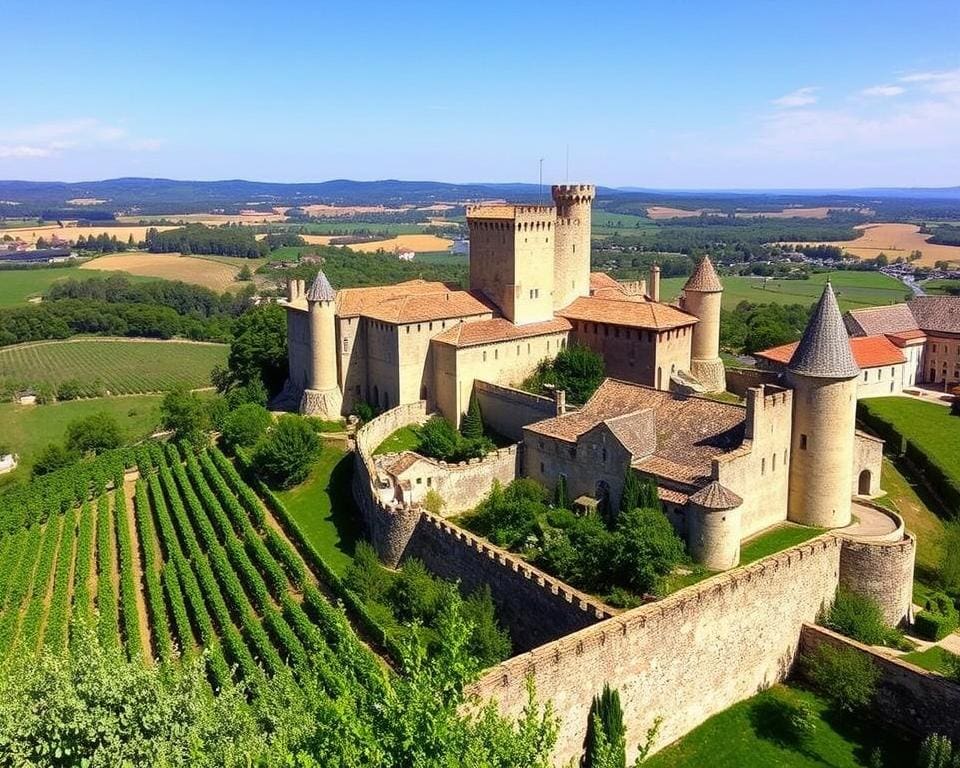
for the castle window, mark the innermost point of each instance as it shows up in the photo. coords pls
(865, 373)
(431, 326)
(408, 328)
(893, 372)
(518, 350)
(933, 347)
(574, 248)
(784, 457)
(541, 467)
(803, 442)
(429, 481)
(484, 355)
(496, 354)
(346, 344)
(763, 466)
(773, 466)
(528, 347)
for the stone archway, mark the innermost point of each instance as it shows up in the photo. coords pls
(863, 483)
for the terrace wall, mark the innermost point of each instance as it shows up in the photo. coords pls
(507, 411)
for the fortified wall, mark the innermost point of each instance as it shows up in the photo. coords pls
(507, 410)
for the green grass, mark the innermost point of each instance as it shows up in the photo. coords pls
(404, 439)
(939, 286)
(854, 289)
(776, 540)
(27, 429)
(442, 258)
(935, 659)
(752, 734)
(112, 366)
(929, 426)
(323, 507)
(604, 224)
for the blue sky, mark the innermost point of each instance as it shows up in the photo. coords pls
(653, 94)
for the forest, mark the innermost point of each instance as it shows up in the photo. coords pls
(227, 240)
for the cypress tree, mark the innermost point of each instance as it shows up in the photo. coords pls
(471, 427)
(609, 746)
(561, 497)
(649, 497)
(630, 496)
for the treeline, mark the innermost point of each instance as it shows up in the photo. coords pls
(102, 243)
(943, 234)
(227, 240)
(636, 265)
(113, 306)
(753, 327)
(346, 269)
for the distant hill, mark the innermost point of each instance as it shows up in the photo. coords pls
(167, 196)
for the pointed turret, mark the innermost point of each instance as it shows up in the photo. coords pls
(713, 532)
(824, 376)
(322, 397)
(321, 290)
(824, 351)
(702, 296)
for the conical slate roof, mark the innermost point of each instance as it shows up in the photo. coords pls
(824, 350)
(704, 278)
(716, 496)
(321, 290)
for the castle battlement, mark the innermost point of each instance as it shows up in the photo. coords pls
(586, 192)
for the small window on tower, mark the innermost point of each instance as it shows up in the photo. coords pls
(803, 442)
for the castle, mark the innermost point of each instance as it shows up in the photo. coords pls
(530, 294)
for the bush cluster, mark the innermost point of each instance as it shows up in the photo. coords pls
(938, 618)
(439, 439)
(861, 618)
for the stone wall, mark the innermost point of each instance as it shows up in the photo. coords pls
(882, 571)
(507, 411)
(684, 658)
(739, 380)
(908, 698)
(536, 607)
(867, 458)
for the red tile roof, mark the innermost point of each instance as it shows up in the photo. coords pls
(632, 314)
(477, 332)
(904, 337)
(868, 351)
(354, 301)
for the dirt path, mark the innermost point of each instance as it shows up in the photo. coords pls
(146, 640)
(273, 523)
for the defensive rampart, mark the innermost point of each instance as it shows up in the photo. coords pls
(908, 698)
(739, 380)
(507, 410)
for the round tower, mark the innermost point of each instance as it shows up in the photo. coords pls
(713, 533)
(571, 260)
(702, 295)
(322, 396)
(824, 375)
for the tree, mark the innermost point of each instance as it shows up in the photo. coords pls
(561, 497)
(283, 458)
(245, 275)
(937, 751)
(605, 745)
(259, 348)
(69, 390)
(438, 439)
(630, 496)
(949, 570)
(246, 425)
(52, 458)
(183, 412)
(647, 548)
(576, 369)
(471, 426)
(845, 675)
(95, 433)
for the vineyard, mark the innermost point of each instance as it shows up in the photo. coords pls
(108, 366)
(181, 559)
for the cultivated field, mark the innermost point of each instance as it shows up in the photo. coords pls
(897, 240)
(853, 289)
(19, 285)
(112, 366)
(210, 219)
(665, 212)
(72, 233)
(182, 560)
(170, 266)
(317, 239)
(412, 242)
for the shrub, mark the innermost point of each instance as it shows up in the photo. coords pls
(508, 516)
(363, 411)
(576, 369)
(647, 548)
(416, 593)
(246, 425)
(52, 458)
(69, 390)
(489, 642)
(844, 675)
(438, 439)
(283, 458)
(860, 618)
(366, 576)
(937, 751)
(938, 618)
(95, 434)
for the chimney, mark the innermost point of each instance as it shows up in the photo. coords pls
(291, 289)
(655, 282)
(560, 399)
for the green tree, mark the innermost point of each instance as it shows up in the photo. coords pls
(937, 751)
(69, 390)
(246, 425)
(845, 675)
(630, 496)
(259, 348)
(647, 548)
(95, 433)
(438, 439)
(606, 740)
(471, 425)
(52, 458)
(245, 274)
(283, 458)
(860, 618)
(561, 497)
(184, 412)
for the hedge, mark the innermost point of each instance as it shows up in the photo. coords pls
(159, 623)
(107, 625)
(82, 600)
(938, 618)
(28, 638)
(55, 633)
(19, 586)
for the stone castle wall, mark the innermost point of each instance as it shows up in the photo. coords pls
(684, 658)
(507, 411)
(739, 380)
(908, 698)
(882, 571)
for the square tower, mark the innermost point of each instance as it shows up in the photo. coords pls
(512, 258)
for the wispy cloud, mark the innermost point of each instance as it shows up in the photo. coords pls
(883, 90)
(947, 81)
(801, 97)
(54, 138)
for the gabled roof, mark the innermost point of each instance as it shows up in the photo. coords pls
(631, 314)
(321, 290)
(704, 278)
(354, 301)
(824, 351)
(716, 496)
(870, 321)
(868, 351)
(424, 307)
(635, 431)
(936, 314)
(497, 329)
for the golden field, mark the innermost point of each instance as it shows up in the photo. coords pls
(896, 240)
(799, 213)
(211, 219)
(665, 212)
(72, 233)
(418, 243)
(170, 266)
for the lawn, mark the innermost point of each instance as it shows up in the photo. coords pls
(753, 734)
(404, 439)
(323, 507)
(775, 540)
(940, 286)
(27, 429)
(853, 289)
(604, 224)
(111, 366)
(18, 285)
(929, 426)
(935, 658)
